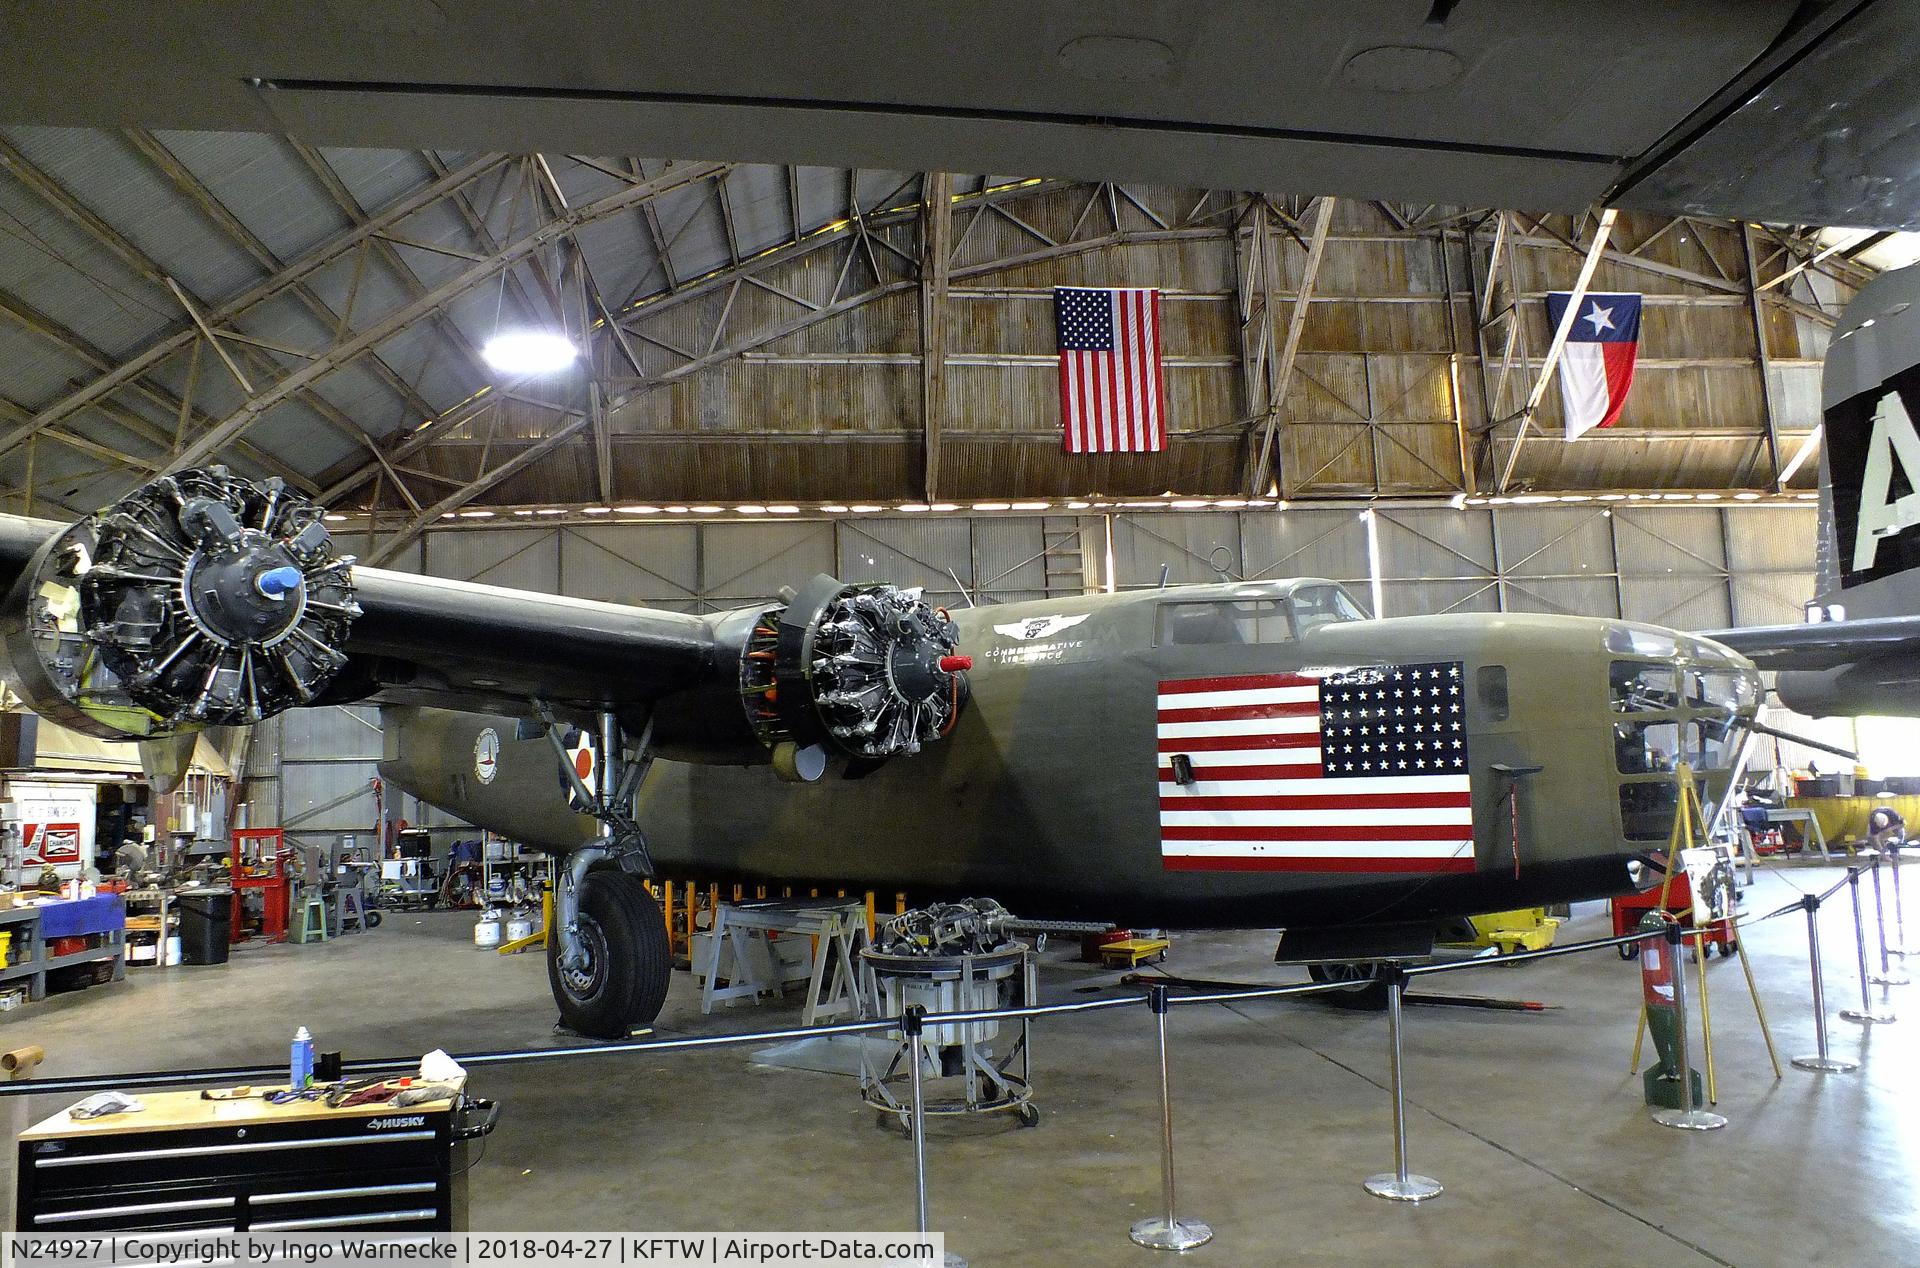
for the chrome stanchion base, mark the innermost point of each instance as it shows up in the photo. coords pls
(1864, 1017)
(1692, 1120)
(1825, 1065)
(1412, 1189)
(1157, 1234)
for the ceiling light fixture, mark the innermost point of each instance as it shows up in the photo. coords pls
(526, 352)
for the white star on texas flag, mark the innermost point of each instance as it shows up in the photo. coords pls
(1602, 318)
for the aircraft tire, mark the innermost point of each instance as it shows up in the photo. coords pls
(1369, 992)
(625, 981)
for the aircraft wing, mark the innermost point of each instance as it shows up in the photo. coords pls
(201, 599)
(1822, 645)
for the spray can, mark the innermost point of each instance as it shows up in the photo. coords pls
(300, 1072)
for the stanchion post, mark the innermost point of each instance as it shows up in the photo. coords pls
(1819, 1062)
(913, 1025)
(1689, 1116)
(1168, 1231)
(1399, 1185)
(1887, 976)
(1866, 1014)
(1899, 946)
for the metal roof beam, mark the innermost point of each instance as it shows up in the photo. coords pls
(232, 427)
(222, 217)
(224, 312)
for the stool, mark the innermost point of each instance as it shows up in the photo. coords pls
(312, 925)
(348, 907)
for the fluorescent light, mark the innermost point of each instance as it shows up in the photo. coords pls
(784, 510)
(751, 510)
(676, 510)
(550, 510)
(596, 510)
(708, 510)
(944, 506)
(914, 507)
(1189, 504)
(640, 510)
(834, 510)
(1078, 506)
(1230, 503)
(523, 352)
(867, 510)
(992, 506)
(335, 519)
(476, 515)
(1030, 506)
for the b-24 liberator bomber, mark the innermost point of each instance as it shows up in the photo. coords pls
(1260, 754)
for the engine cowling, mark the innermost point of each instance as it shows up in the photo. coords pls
(200, 599)
(865, 672)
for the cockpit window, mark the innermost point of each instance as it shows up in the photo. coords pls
(1718, 688)
(1638, 687)
(1323, 605)
(1217, 621)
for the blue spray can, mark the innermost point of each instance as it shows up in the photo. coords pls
(300, 1072)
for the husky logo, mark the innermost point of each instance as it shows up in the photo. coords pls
(388, 1124)
(1882, 515)
(1039, 626)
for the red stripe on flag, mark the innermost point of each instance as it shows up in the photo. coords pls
(1234, 743)
(1124, 371)
(1243, 712)
(1327, 801)
(1318, 832)
(1246, 682)
(1221, 774)
(1618, 359)
(1156, 420)
(1191, 863)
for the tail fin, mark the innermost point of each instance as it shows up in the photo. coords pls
(1870, 470)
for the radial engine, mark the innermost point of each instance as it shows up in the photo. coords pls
(200, 599)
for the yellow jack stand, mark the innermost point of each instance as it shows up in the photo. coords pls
(538, 938)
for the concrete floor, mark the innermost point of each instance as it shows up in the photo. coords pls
(1531, 1120)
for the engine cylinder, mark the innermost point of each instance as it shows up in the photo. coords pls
(200, 599)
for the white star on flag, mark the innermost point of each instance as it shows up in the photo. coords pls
(1602, 318)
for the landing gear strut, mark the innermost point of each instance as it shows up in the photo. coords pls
(607, 955)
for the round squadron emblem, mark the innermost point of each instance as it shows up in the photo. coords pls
(486, 755)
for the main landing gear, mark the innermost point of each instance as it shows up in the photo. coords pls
(608, 960)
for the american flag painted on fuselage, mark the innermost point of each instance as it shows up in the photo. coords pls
(1358, 771)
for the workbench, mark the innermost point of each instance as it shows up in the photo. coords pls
(33, 925)
(188, 1163)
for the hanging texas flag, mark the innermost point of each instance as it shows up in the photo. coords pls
(1596, 366)
(1360, 771)
(1110, 397)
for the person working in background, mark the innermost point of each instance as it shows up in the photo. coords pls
(1886, 829)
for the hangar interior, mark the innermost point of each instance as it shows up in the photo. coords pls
(776, 371)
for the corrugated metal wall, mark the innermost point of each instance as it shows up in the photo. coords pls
(1691, 567)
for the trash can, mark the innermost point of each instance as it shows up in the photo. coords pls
(206, 925)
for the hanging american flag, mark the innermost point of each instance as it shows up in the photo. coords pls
(1110, 397)
(1362, 771)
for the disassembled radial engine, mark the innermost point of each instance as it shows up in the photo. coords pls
(200, 599)
(865, 671)
(973, 926)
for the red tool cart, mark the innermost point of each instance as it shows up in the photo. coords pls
(1628, 910)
